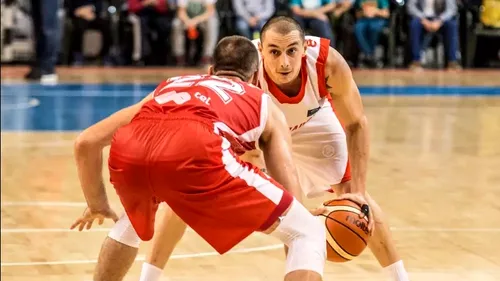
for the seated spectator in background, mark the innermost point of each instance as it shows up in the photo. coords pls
(372, 19)
(433, 16)
(251, 15)
(153, 15)
(86, 14)
(192, 14)
(312, 14)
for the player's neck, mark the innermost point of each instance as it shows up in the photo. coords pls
(293, 88)
(230, 75)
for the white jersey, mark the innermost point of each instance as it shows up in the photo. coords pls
(319, 143)
(313, 93)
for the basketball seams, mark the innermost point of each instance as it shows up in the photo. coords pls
(350, 256)
(333, 250)
(339, 211)
(348, 228)
(333, 209)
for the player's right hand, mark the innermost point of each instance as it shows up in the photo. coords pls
(87, 218)
(361, 200)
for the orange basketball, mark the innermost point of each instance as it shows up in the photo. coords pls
(346, 233)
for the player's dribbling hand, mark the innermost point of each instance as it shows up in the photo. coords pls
(89, 215)
(366, 210)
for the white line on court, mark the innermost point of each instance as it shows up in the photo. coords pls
(32, 102)
(142, 258)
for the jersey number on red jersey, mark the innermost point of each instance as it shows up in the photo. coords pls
(223, 88)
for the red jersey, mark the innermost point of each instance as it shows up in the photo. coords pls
(237, 109)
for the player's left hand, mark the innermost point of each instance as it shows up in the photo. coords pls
(89, 215)
(366, 210)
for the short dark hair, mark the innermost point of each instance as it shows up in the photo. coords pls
(283, 25)
(236, 55)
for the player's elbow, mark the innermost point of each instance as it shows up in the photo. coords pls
(83, 143)
(358, 125)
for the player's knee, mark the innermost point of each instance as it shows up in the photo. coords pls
(124, 232)
(378, 214)
(305, 237)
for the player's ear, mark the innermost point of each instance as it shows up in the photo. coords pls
(211, 70)
(259, 47)
(255, 78)
(305, 48)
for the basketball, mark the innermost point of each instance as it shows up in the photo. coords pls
(346, 233)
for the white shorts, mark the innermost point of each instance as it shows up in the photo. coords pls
(320, 152)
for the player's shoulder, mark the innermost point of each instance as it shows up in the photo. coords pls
(335, 62)
(317, 51)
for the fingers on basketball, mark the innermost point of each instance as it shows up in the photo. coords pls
(347, 232)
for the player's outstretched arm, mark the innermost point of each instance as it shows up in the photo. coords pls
(275, 143)
(88, 154)
(349, 109)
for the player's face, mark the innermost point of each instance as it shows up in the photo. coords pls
(282, 55)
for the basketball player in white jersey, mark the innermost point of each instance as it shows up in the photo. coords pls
(313, 85)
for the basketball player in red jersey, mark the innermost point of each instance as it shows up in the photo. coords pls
(179, 145)
(313, 86)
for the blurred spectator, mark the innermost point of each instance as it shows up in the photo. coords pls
(86, 14)
(46, 30)
(312, 14)
(191, 15)
(372, 19)
(433, 16)
(342, 28)
(153, 15)
(251, 15)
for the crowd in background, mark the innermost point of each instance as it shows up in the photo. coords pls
(369, 33)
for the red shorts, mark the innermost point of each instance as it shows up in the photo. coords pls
(183, 162)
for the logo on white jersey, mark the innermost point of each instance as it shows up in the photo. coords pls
(328, 151)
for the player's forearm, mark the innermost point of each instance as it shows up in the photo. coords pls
(88, 158)
(358, 146)
(88, 155)
(280, 165)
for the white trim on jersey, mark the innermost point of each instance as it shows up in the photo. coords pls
(254, 134)
(312, 54)
(236, 170)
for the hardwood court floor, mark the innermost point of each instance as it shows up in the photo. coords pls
(434, 169)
